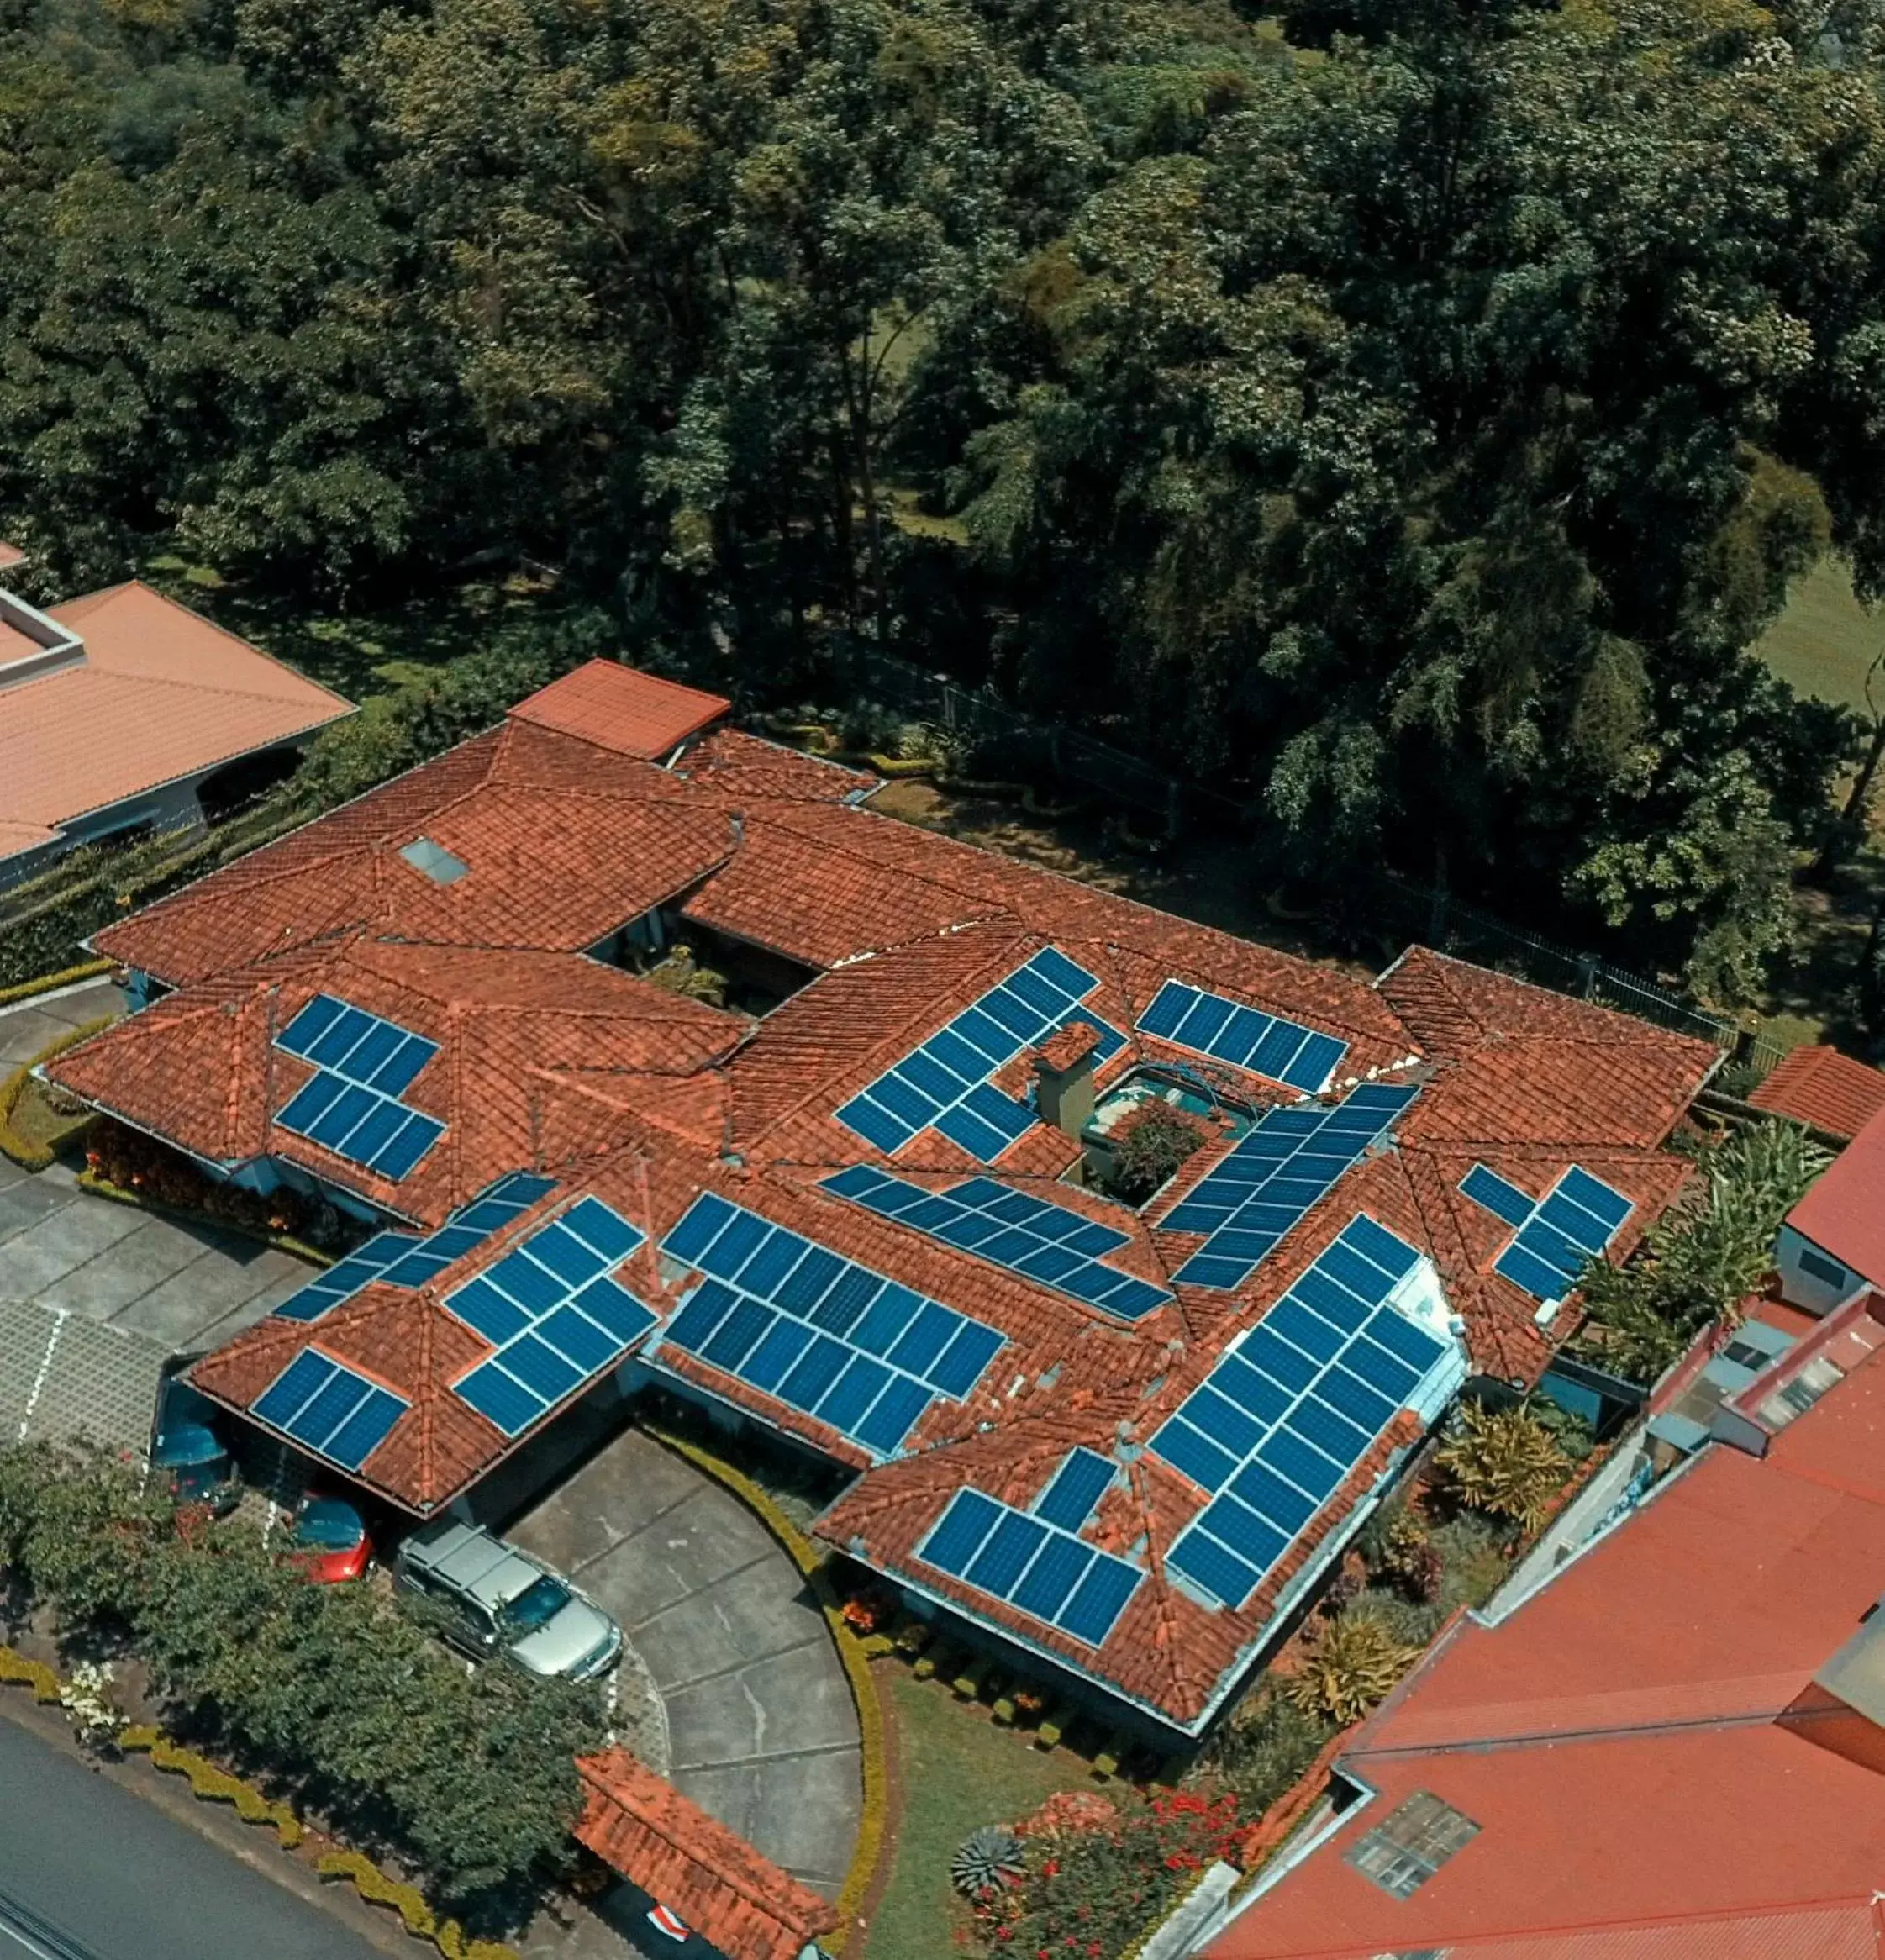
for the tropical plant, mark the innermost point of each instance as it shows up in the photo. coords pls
(986, 1860)
(1268, 1742)
(1504, 1461)
(1709, 1254)
(1148, 1147)
(1349, 1665)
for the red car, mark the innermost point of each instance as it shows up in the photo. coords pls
(331, 1542)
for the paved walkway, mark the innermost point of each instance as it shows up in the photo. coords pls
(93, 1295)
(764, 1732)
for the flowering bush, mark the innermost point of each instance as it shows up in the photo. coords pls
(865, 1612)
(1091, 1886)
(136, 1162)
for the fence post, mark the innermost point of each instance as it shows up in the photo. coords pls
(1587, 968)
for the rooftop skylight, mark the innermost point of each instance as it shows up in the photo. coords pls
(438, 864)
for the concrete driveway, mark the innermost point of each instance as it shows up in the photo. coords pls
(95, 1295)
(763, 1730)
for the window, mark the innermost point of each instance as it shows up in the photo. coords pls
(435, 860)
(1402, 1853)
(1827, 1271)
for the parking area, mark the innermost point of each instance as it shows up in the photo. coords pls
(763, 1732)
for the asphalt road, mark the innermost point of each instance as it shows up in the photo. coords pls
(90, 1872)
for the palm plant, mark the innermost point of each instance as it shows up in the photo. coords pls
(1504, 1461)
(1351, 1664)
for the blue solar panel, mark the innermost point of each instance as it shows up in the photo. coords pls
(329, 1410)
(1036, 1238)
(1278, 1423)
(549, 1307)
(944, 1083)
(1033, 1565)
(351, 1106)
(1503, 1200)
(869, 1355)
(1207, 1024)
(1272, 1178)
(1069, 1499)
(345, 1277)
(1557, 1235)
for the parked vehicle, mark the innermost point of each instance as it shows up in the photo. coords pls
(331, 1541)
(188, 1453)
(498, 1600)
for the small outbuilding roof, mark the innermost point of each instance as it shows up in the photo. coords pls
(1819, 1086)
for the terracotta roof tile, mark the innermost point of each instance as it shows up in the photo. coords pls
(726, 1891)
(1820, 1086)
(747, 771)
(621, 709)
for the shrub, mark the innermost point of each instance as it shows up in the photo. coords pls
(1476, 1555)
(1350, 1665)
(1269, 1741)
(135, 1162)
(338, 1689)
(1711, 1250)
(1148, 1148)
(1504, 1461)
(987, 1860)
(1085, 1892)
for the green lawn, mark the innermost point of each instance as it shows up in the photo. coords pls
(1824, 641)
(957, 1771)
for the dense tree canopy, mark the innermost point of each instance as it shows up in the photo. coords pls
(1404, 412)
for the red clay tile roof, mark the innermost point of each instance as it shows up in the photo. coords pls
(520, 1035)
(621, 709)
(161, 695)
(724, 1890)
(1844, 1214)
(550, 1059)
(746, 770)
(563, 844)
(1820, 1086)
(1616, 1739)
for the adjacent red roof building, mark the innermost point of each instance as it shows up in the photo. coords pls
(114, 709)
(1844, 1214)
(1820, 1086)
(708, 1876)
(1672, 1750)
(844, 1205)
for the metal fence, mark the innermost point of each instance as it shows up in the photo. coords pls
(1004, 739)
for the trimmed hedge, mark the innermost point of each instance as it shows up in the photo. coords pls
(47, 983)
(28, 1154)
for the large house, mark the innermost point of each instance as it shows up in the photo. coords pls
(122, 714)
(865, 1207)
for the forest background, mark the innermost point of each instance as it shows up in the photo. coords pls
(1404, 416)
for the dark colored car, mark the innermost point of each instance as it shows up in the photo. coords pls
(331, 1541)
(196, 1467)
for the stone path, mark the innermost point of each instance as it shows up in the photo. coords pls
(763, 1730)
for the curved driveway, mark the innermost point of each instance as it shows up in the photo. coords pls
(763, 1728)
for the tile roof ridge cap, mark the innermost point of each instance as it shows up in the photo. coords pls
(195, 686)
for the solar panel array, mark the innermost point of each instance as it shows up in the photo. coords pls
(1271, 1178)
(1044, 1572)
(350, 1105)
(555, 1316)
(1557, 1233)
(1266, 1043)
(944, 1082)
(1289, 1413)
(410, 1258)
(818, 1332)
(328, 1409)
(1032, 1236)
(1074, 1489)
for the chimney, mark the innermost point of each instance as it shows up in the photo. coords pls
(1064, 1077)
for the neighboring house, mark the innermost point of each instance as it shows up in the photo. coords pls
(857, 1209)
(1675, 1748)
(1827, 1091)
(1833, 1244)
(122, 714)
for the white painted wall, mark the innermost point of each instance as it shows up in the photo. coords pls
(1814, 1292)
